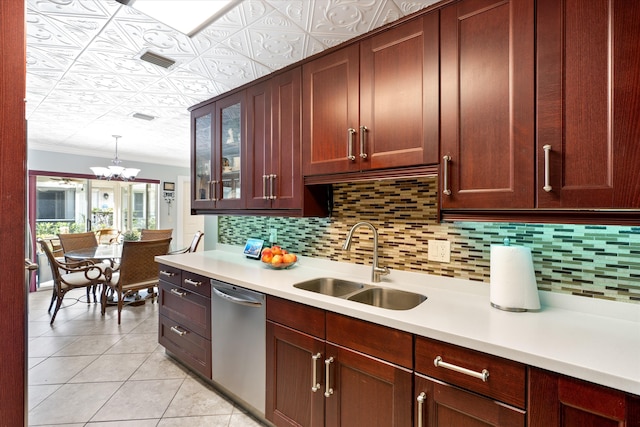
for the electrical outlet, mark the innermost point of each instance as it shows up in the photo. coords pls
(273, 235)
(439, 250)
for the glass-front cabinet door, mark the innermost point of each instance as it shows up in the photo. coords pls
(202, 196)
(230, 148)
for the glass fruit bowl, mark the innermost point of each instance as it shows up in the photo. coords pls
(279, 266)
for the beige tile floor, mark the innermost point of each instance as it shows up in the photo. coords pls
(85, 370)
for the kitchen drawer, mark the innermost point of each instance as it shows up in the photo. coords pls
(378, 341)
(169, 274)
(186, 308)
(190, 348)
(196, 283)
(304, 318)
(506, 381)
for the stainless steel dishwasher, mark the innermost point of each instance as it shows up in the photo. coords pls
(238, 339)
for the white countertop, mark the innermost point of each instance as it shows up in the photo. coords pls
(594, 340)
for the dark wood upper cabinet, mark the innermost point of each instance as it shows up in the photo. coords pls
(330, 109)
(274, 135)
(588, 90)
(399, 95)
(374, 105)
(218, 149)
(487, 104)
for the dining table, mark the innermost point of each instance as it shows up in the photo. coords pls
(101, 252)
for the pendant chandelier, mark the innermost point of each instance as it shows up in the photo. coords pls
(115, 171)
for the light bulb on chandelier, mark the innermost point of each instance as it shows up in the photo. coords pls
(115, 171)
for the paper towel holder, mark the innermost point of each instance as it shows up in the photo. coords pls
(510, 291)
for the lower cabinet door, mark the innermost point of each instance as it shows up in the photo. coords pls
(441, 404)
(365, 391)
(559, 401)
(291, 369)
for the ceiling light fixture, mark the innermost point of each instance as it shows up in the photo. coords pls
(116, 171)
(187, 16)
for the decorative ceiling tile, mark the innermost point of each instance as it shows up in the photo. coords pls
(273, 40)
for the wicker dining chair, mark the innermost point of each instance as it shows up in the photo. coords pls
(70, 275)
(138, 271)
(192, 247)
(148, 234)
(75, 241)
(108, 236)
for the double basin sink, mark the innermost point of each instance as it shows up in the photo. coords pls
(393, 299)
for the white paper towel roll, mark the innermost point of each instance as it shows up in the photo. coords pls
(513, 284)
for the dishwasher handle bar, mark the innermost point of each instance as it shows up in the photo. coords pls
(236, 300)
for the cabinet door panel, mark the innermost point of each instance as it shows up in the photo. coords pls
(201, 157)
(588, 112)
(447, 405)
(230, 151)
(399, 95)
(360, 385)
(290, 400)
(259, 137)
(487, 103)
(559, 401)
(286, 150)
(330, 108)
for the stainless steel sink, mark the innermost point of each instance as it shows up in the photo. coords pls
(330, 286)
(393, 299)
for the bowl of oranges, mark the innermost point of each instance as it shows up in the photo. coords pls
(277, 258)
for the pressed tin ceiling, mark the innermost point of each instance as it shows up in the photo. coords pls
(85, 79)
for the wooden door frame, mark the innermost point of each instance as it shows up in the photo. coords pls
(13, 153)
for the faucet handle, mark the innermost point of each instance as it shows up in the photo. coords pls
(383, 271)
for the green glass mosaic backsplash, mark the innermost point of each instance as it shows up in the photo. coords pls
(591, 261)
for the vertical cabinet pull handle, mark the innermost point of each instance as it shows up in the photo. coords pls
(328, 391)
(421, 399)
(547, 186)
(445, 175)
(272, 191)
(214, 190)
(350, 133)
(264, 187)
(314, 368)
(363, 136)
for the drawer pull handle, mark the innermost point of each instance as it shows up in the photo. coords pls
(178, 331)
(167, 273)
(328, 391)
(445, 175)
(484, 375)
(314, 365)
(547, 185)
(192, 282)
(421, 398)
(177, 292)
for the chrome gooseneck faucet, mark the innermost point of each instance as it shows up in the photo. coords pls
(377, 271)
